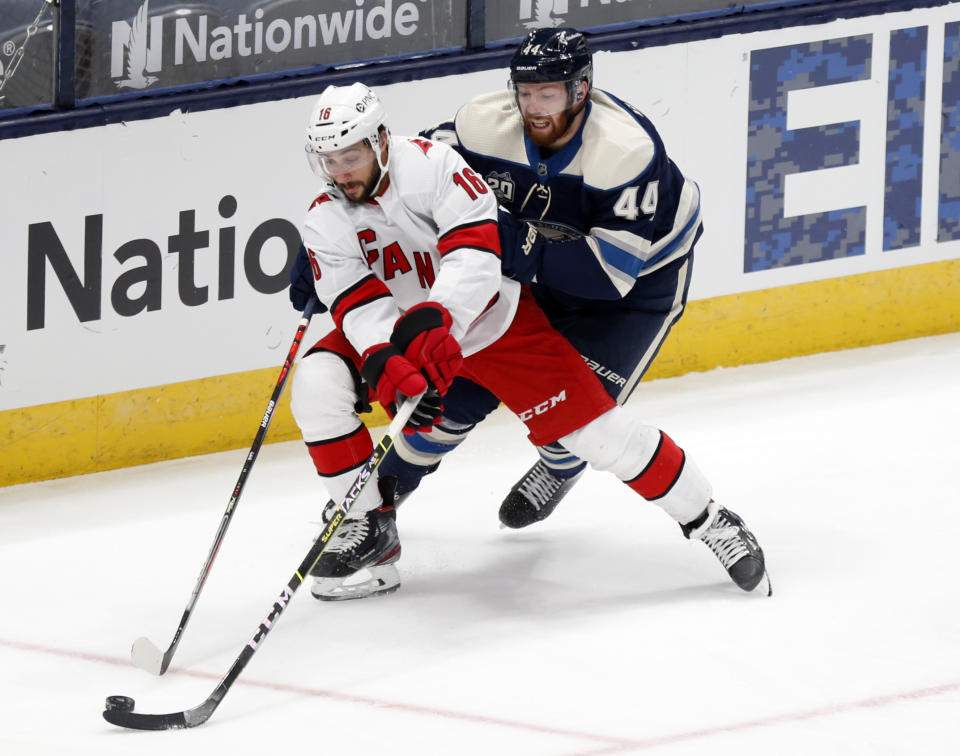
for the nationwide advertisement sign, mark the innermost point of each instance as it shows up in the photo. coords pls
(125, 47)
(149, 45)
(508, 19)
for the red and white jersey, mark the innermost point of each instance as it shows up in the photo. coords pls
(430, 234)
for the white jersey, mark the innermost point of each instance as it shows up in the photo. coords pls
(431, 233)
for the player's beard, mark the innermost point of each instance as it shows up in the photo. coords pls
(560, 123)
(544, 137)
(368, 187)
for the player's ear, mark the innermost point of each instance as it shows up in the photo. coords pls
(384, 142)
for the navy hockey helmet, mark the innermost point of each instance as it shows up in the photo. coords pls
(553, 55)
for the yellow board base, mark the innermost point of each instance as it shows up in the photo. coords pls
(215, 414)
(820, 316)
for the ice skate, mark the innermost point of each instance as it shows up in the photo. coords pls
(360, 559)
(733, 544)
(535, 496)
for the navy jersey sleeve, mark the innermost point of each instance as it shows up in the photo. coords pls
(445, 132)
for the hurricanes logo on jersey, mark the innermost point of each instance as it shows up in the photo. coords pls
(423, 144)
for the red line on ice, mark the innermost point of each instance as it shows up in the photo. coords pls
(611, 744)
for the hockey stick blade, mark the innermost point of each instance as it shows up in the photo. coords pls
(133, 721)
(200, 714)
(177, 721)
(144, 653)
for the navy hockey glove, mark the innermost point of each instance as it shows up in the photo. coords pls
(301, 283)
(422, 334)
(393, 378)
(426, 415)
(521, 248)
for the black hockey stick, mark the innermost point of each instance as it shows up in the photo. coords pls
(145, 653)
(119, 710)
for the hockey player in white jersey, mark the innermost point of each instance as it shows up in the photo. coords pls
(404, 251)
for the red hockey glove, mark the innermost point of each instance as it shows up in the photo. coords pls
(394, 378)
(423, 335)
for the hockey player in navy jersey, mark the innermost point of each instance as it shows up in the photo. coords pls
(599, 222)
(402, 246)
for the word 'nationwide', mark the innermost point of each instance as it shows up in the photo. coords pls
(138, 288)
(197, 38)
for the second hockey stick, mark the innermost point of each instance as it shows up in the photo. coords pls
(119, 710)
(145, 653)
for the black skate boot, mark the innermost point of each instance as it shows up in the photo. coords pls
(735, 546)
(535, 496)
(366, 545)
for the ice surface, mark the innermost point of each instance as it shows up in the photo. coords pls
(600, 631)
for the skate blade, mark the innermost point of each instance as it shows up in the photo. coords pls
(763, 586)
(765, 581)
(372, 581)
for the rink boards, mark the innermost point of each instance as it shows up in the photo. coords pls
(144, 303)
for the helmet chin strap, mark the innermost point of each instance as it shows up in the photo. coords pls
(381, 164)
(376, 187)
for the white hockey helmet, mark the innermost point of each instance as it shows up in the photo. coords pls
(344, 116)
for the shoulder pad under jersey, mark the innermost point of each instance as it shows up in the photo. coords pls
(617, 148)
(491, 125)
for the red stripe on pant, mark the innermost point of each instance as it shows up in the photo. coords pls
(661, 471)
(337, 455)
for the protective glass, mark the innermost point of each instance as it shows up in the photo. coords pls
(541, 98)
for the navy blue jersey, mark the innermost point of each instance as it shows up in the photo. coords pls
(611, 204)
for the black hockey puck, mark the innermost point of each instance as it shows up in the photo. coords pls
(119, 703)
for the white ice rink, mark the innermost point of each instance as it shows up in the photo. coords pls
(600, 631)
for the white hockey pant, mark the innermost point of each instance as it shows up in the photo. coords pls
(323, 401)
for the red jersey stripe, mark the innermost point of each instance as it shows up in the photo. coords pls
(482, 235)
(366, 290)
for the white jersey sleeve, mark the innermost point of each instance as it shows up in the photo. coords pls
(465, 211)
(361, 304)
